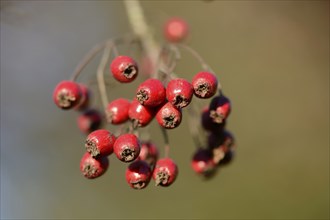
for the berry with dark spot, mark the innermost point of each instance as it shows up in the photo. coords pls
(151, 93)
(138, 174)
(165, 172)
(205, 84)
(139, 114)
(179, 92)
(67, 94)
(202, 162)
(92, 168)
(127, 147)
(220, 108)
(168, 116)
(100, 143)
(124, 69)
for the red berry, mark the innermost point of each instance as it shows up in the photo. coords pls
(91, 167)
(89, 120)
(148, 153)
(100, 143)
(176, 30)
(85, 96)
(208, 123)
(151, 93)
(205, 84)
(124, 69)
(179, 92)
(220, 108)
(139, 114)
(117, 111)
(67, 94)
(127, 147)
(168, 116)
(202, 162)
(165, 172)
(138, 174)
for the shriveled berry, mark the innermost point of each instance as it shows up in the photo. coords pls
(91, 167)
(100, 143)
(89, 121)
(138, 174)
(67, 94)
(139, 114)
(205, 84)
(179, 92)
(165, 172)
(222, 145)
(220, 108)
(124, 69)
(127, 147)
(148, 153)
(176, 30)
(85, 96)
(208, 123)
(151, 93)
(202, 162)
(117, 111)
(168, 116)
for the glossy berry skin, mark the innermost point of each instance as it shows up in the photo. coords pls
(165, 172)
(220, 108)
(151, 93)
(100, 143)
(138, 174)
(205, 84)
(127, 147)
(179, 92)
(202, 162)
(67, 94)
(92, 168)
(124, 69)
(117, 111)
(168, 116)
(176, 30)
(89, 121)
(208, 123)
(148, 153)
(85, 96)
(139, 114)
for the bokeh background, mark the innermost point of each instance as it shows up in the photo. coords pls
(272, 58)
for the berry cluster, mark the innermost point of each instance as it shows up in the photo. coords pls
(163, 97)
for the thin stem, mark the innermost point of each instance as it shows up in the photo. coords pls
(87, 58)
(141, 29)
(194, 125)
(100, 73)
(195, 54)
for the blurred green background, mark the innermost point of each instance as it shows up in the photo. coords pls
(272, 58)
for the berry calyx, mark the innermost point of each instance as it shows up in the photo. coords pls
(151, 93)
(117, 111)
(124, 69)
(176, 30)
(127, 147)
(89, 121)
(208, 123)
(168, 116)
(139, 114)
(67, 94)
(205, 84)
(179, 92)
(138, 174)
(100, 143)
(92, 168)
(165, 172)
